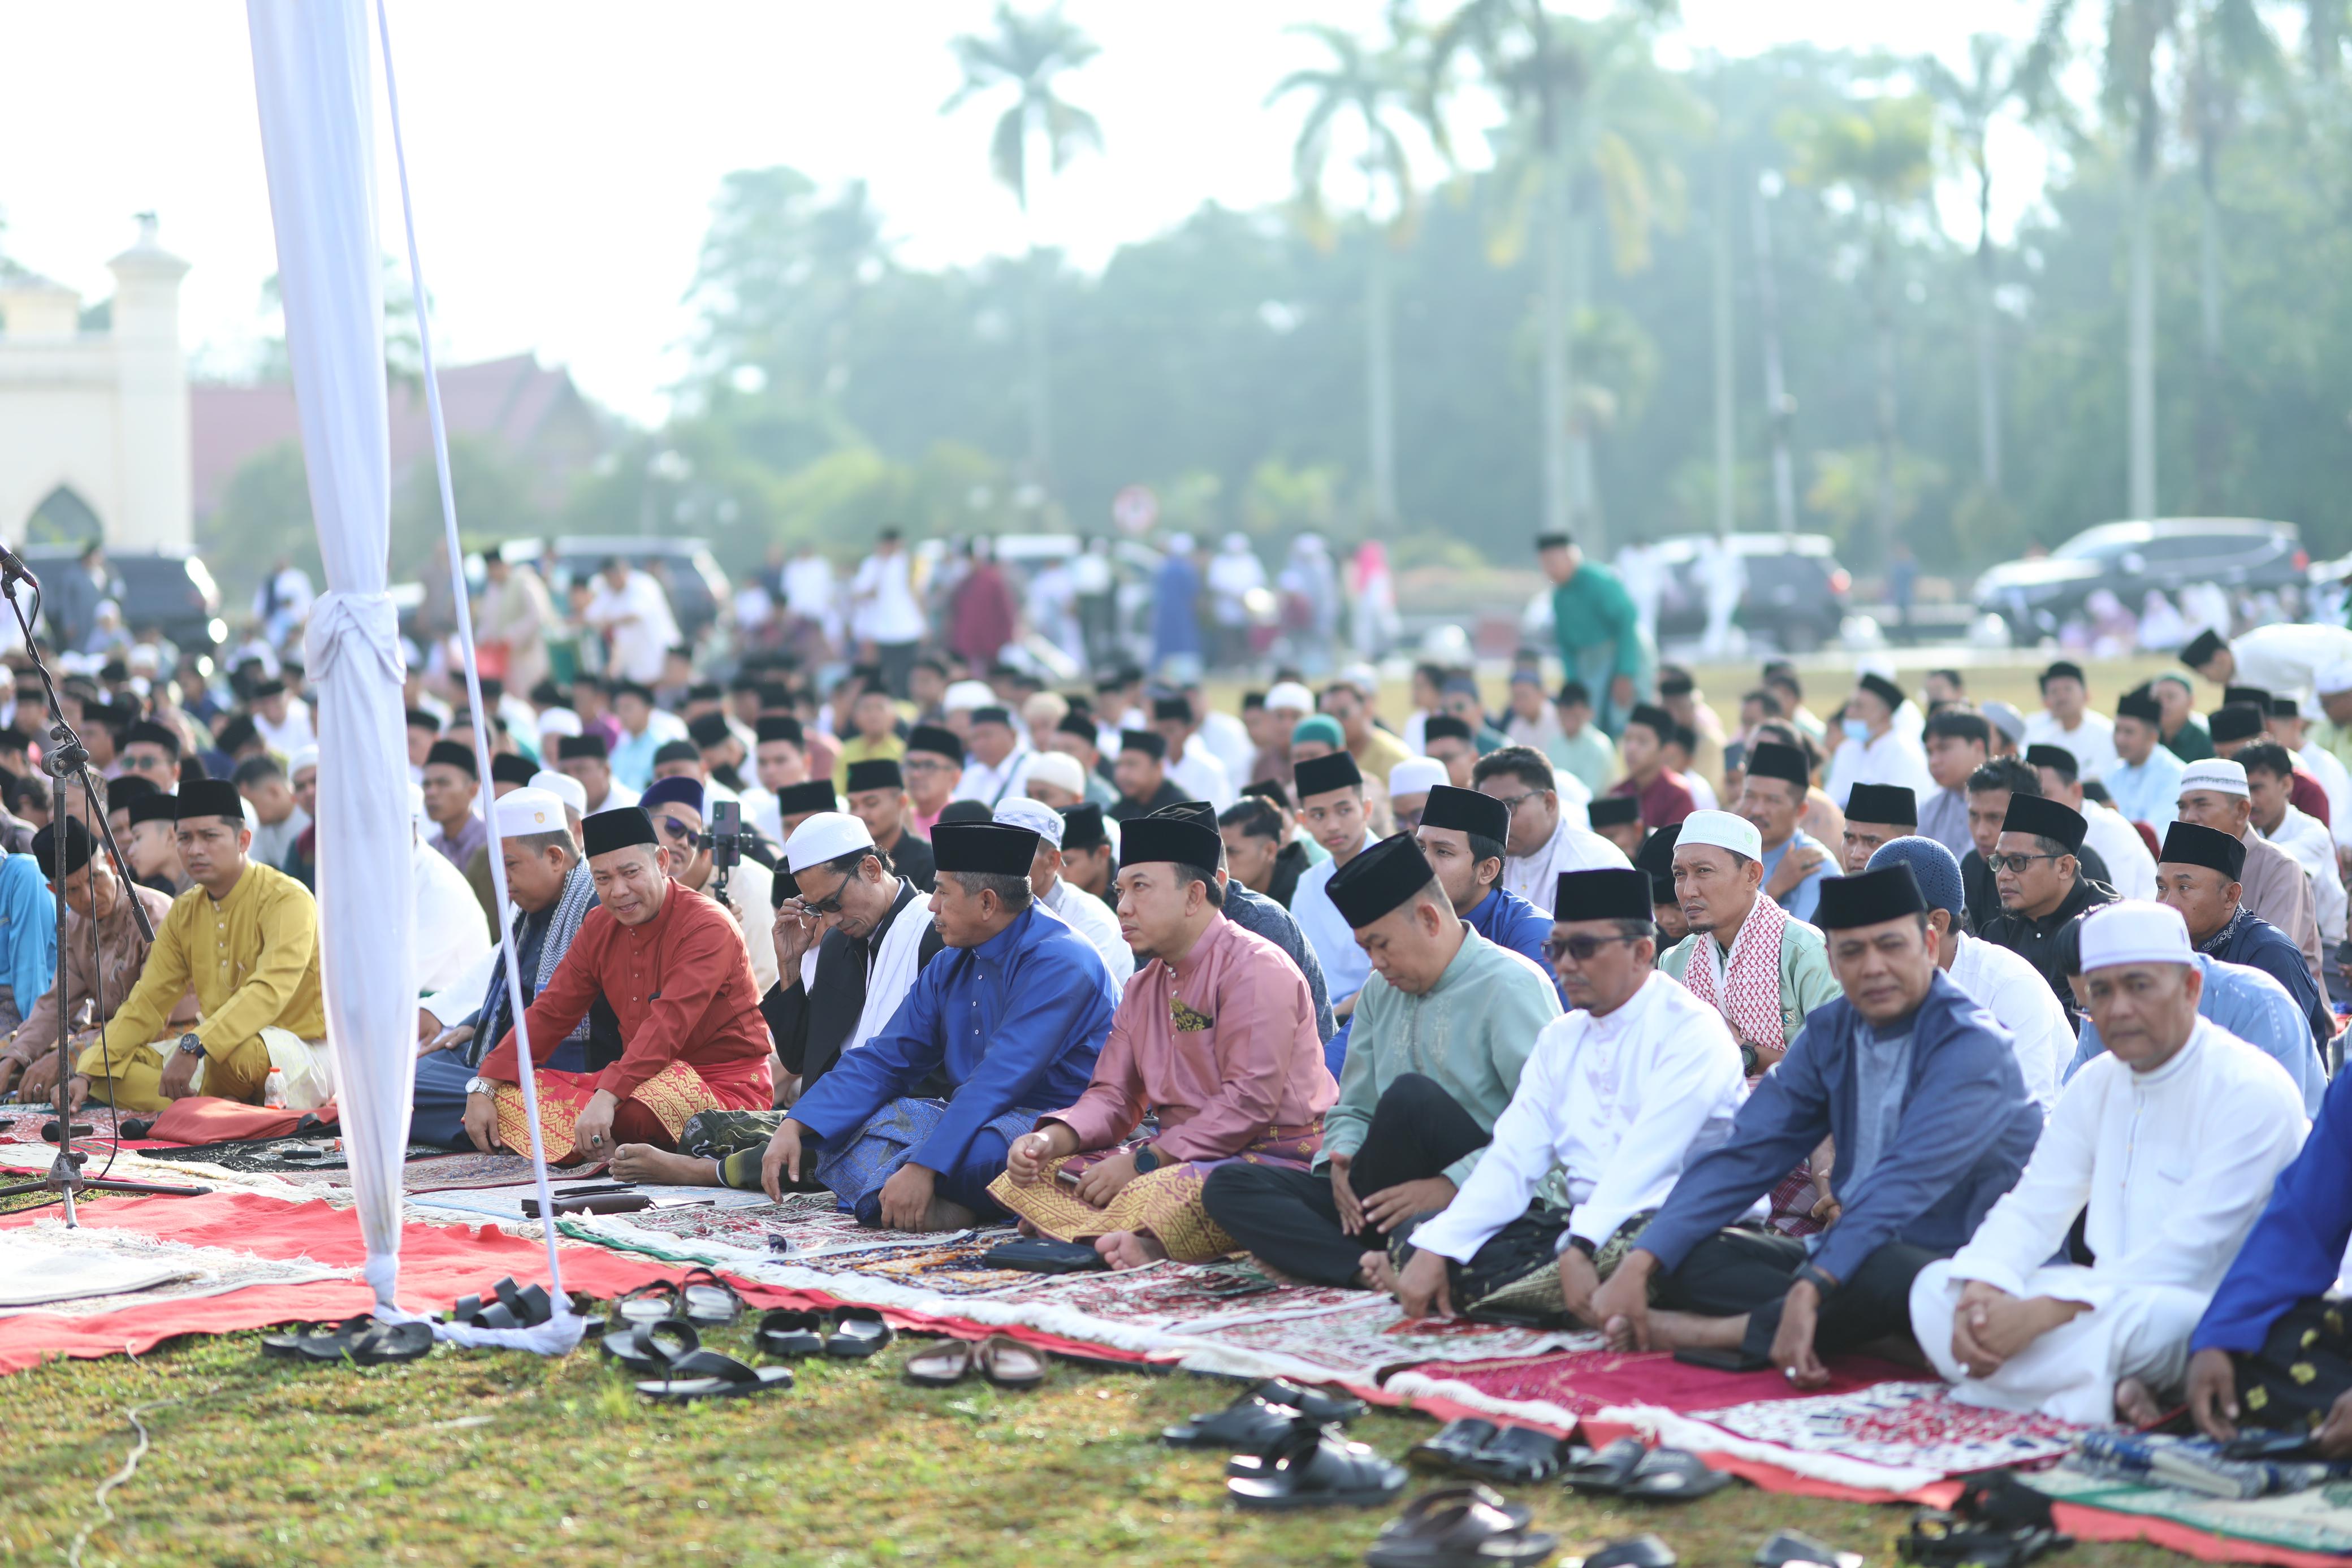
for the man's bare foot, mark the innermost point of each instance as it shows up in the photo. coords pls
(1025, 1229)
(1680, 1330)
(643, 1162)
(945, 1215)
(1378, 1275)
(2134, 1404)
(1128, 1249)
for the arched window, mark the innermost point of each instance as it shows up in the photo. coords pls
(63, 518)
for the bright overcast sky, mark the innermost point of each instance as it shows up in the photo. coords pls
(564, 155)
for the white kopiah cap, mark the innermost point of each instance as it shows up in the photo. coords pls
(2135, 931)
(965, 695)
(1724, 830)
(1414, 775)
(2218, 773)
(1040, 819)
(557, 721)
(563, 787)
(2335, 678)
(308, 757)
(1060, 768)
(822, 836)
(1291, 696)
(522, 812)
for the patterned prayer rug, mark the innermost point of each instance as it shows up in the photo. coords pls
(22, 1124)
(2317, 1520)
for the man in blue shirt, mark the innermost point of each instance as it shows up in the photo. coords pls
(1772, 796)
(2198, 874)
(1461, 835)
(1920, 1089)
(1008, 1020)
(2147, 788)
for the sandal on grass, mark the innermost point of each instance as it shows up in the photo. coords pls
(1606, 1470)
(293, 1347)
(948, 1362)
(787, 1332)
(1431, 1502)
(1009, 1364)
(1674, 1475)
(709, 1301)
(1794, 1546)
(376, 1344)
(1462, 1531)
(707, 1374)
(1252, 1423)
(1316, 1468)
(1455, 1442)
(646, 1304)
(1515, 1456)
(644, 1348)
(856, 1332)
(1633, 1552)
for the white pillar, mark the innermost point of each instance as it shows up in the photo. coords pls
(153, 451)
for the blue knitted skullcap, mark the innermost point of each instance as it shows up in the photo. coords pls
(1936, 867)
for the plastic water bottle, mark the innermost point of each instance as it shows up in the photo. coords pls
(273, 1090)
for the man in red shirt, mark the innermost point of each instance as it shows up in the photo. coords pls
(675, 969)
(1664, 801)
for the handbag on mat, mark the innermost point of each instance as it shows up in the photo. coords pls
(1042, 1255)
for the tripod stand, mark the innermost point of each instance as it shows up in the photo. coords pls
(65, 759)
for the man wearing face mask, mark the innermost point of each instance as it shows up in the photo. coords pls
(1874, 750)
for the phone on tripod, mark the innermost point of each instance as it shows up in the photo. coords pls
(724, 838)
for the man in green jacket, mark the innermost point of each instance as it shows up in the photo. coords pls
(1599, 630)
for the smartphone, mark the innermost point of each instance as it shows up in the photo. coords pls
(1724, 1360)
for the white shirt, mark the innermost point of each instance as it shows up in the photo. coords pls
(2021, 1002)
(988, 785)
(1228, 737)
(2286, 659)
(452, 932)
(2305, 837)
(1200, 775)
(882, 597)
(2120, 845)
(1345, 967)
(1892, 759)
(2175, 1166)
(809, 589)
(1091, 918)
(291, 735)
(2337, 782)
(1619, 1106)
(616, 797)
(2093, 741)
(1536, 877)
(635, 618)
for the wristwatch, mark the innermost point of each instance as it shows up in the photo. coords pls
(191, 1046)
(1147, 1160)
(477, 1084)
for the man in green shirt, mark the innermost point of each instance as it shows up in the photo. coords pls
(1598, 630)
(2183, 736)
(1442, 1030)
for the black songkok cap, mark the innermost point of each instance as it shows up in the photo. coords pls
(209, 797)
(1607, 892)
(1872, 898)
(1656, 857)
(1079, 722)
(1885, 690)
(571, 748)
(778, 726)
(1467, 811)
(158, 807)
(1268, 789)
(80, 847)
(1891, 803)
(710, 729)
(1654, 718)
(507, 768)
(1150, 742)
(985, 849)
(2045, 818)
(2140, 703)
(876, 773)
(1607, 811)
(617, 829)
(1443, 727)
(2059, 759)
(2186, 843)
(966, 811)
(121, 792)
(1171, 710)
(2236, 721)
(992, 714)
(2254, 695)
(937, 739)
(1771, 759)
(2284, 707)
(2201, 649)
(1321, 775)
(1199, 811)
(678, 751)
(1082, 827)
(1553, 541)
(1379, 881)
(424, 718)
(800, 800)
(1167, 836)
(449, 754)
(270, 687)
(2064, 668)
(146, 732)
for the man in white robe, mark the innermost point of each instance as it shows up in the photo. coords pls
(2276, 658)
(1543, 843)
(2172, 1139)
(452, 933)
(1878, 748)
(1081, 911)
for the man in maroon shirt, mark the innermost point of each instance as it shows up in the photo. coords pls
(1664, 800)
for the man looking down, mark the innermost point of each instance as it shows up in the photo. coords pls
(1876, 814)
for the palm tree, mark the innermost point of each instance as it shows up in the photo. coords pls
(1377, 88)
(1878, 154)
(1589, 109)
(1028, 53)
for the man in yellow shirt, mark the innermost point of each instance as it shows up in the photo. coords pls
(1348, 699)
(874, 737)
(245, 940)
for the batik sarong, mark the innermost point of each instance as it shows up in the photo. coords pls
(655, 1113)
(1164, 1204)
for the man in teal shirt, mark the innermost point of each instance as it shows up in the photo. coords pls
(1598, 630)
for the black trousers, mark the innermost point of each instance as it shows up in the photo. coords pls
(1289, 1218)
(1745, 1270)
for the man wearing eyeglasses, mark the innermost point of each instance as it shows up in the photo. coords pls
(677, 806)
(1544, 840)
(2042, 887)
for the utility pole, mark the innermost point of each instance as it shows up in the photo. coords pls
(1779, 408)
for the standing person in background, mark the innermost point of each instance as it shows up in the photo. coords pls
(1178, 652)
(517, 613)
(633, 612)
(1235, 573)
(1095, 583)
(1599, 632)
(982, 617)
(70, 598)
(1371, 600)
(1308, 587)
(885, 619)
(812, 601)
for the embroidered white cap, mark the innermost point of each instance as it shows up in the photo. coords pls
(1059, 769)
(2135, 931)
(1724, 830)
(822, 836)
(557, 721)
(1414, 775)
(2218, 773)
(965, 695)
(563, 787)
(1289, 696)
(1040, 819)
(308, 757)
(522, 812)
(2336, 677)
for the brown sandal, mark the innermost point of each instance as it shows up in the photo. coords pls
(1009, 1364)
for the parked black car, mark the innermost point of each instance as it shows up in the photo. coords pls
(2037, 595)
(167, 589)
(1796, 592)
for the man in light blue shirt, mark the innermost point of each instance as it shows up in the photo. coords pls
(2147, 788)
(1772, 796)
(2250, 1005)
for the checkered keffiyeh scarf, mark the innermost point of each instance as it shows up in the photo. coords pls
(1749, 999)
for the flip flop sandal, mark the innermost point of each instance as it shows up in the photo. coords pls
(1467, 1531)
(1252, 1423)
(291, 1347)
(652, 1347)
(1455, 1442)
(647, 1304)
(1319, 1468)
(1007, 1362)
(1674, 1475)
(943, 1364)
(707, 1374)
(1315, 1404)
(1794, 1546)
(1940, 1540)
(1633, 1552)
(786, 1331)
(856, 1332)
(1515, 1456)
(1605, 1472)
(470, 1308)
(709, 1301)
(376, 1345)
(1430, 1503)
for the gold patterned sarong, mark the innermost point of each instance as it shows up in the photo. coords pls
(671, 1096)
(1164, 1204)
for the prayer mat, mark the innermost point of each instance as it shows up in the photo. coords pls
(22, 1124)
(1559, 1390)
(2279, 1528)
(87, 1272)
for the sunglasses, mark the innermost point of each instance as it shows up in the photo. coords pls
(1580, 948)
(675, 828)
(825, 906)
(2016, 863)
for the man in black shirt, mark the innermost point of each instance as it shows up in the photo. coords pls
(2042, 888)
(1141, 774)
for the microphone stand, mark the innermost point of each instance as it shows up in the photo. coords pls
(66, 760)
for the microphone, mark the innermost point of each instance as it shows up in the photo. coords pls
(13, 570)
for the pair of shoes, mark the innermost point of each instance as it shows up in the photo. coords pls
(1312, 1465)
(685, 1371)
(1262, 1416)
(850, 1333)
(361, 1340)
(1461, 1527)
(1626, 1468)
(1515, 1456)
(701, 1297)
(506, 1306)
(1794, 1549)
(1998, 1521)
(1000, 1358)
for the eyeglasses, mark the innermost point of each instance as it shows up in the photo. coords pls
(1516, 802)
(1580, 948)
(2016, 863)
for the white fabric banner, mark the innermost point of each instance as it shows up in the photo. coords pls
(312, 69)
